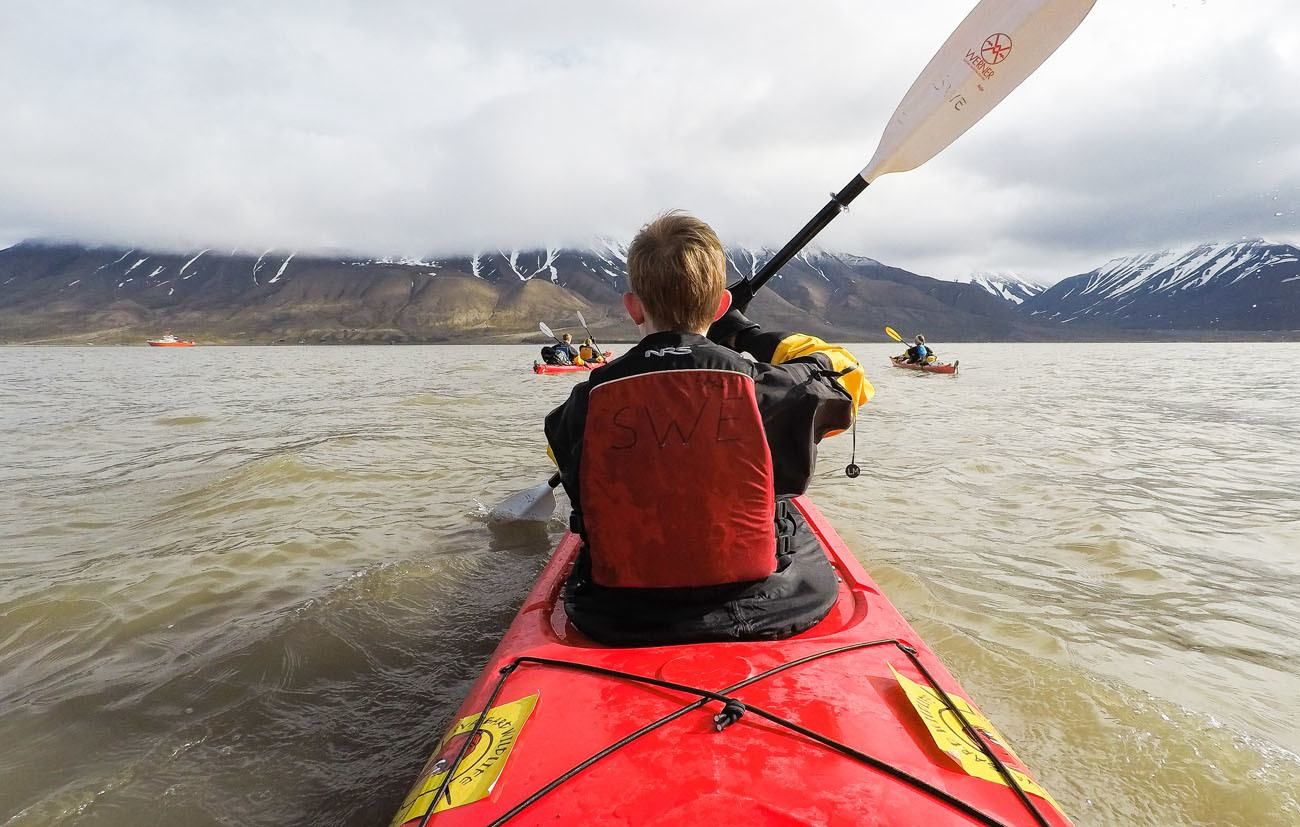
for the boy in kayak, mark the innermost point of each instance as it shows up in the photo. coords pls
(566, 351)
(588, 352)
(562, 352)
(695, 452)
(919, 353)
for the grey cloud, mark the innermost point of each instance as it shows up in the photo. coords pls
(417, 128)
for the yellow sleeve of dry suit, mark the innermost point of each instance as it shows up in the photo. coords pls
(798, 345)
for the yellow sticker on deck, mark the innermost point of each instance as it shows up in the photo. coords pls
(478, 771)
(951, 737)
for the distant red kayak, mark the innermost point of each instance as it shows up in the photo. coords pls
(931, 368)
(539, 367)
(561, 730)
(169, 341)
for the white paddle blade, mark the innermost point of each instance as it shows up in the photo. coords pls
(542, 326)
(997, 46)
(533, 505)
(581, 320)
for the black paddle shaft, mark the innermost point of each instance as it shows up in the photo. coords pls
(742, 293)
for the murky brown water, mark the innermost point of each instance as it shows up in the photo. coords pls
(250, 585)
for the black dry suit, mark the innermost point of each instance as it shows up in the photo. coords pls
(680, 458)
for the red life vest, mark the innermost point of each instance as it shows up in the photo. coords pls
(676, 476)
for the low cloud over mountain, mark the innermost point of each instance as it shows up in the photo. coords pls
(75, 293)
(72, 293)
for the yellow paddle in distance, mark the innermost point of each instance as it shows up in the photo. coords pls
(893, 334)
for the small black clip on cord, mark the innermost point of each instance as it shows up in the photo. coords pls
(852, 471)
(732, 711)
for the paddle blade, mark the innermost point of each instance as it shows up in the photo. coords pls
(534, 505)
(893, 334)
(581, 320)
(542, 326)
(997, 46)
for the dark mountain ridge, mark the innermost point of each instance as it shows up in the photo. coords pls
(70, 293)
(66, 292)
(1248, 285)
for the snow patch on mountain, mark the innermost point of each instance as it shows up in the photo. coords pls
(187, 264)
(852, 260)
(1174, 270)
(552, 253)
(409, 261)
(283, 267)
(115, 261)
(608, 248)
(1013, 287)
(257, 265)
(812, 259)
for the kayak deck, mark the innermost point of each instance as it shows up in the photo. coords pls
(838, 683)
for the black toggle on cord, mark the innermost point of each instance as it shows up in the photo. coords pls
(732, 711)
(852, 471)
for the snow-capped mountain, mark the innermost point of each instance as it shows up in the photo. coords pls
(1010, 286)
(117, 293)
(1245, 285)
(50, 292)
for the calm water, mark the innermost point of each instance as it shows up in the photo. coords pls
(250, 585)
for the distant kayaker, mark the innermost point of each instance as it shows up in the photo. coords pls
(694, 452)
(562, 352)
(566, 347)
(588, 352)
(919, 353)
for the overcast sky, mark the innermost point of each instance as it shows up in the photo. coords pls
(436, 127)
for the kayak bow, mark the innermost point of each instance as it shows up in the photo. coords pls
(853, 722)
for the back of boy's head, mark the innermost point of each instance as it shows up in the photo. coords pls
(677, 268)
(568, 337)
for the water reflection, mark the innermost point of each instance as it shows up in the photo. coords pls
(250, 585)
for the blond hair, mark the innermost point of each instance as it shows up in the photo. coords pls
(677, 268)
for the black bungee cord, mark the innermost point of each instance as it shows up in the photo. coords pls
(733, 710)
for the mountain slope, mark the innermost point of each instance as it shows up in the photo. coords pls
(72, 293)
(1250, 285)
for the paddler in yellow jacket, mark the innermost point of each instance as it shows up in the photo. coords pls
(696, 452)
(588, 352)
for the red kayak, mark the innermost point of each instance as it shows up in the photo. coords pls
(542, 368)
(936, 367)
(853, 722)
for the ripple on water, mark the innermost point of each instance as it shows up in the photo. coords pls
(182, 420)
(1155, 751)
(253, 588)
